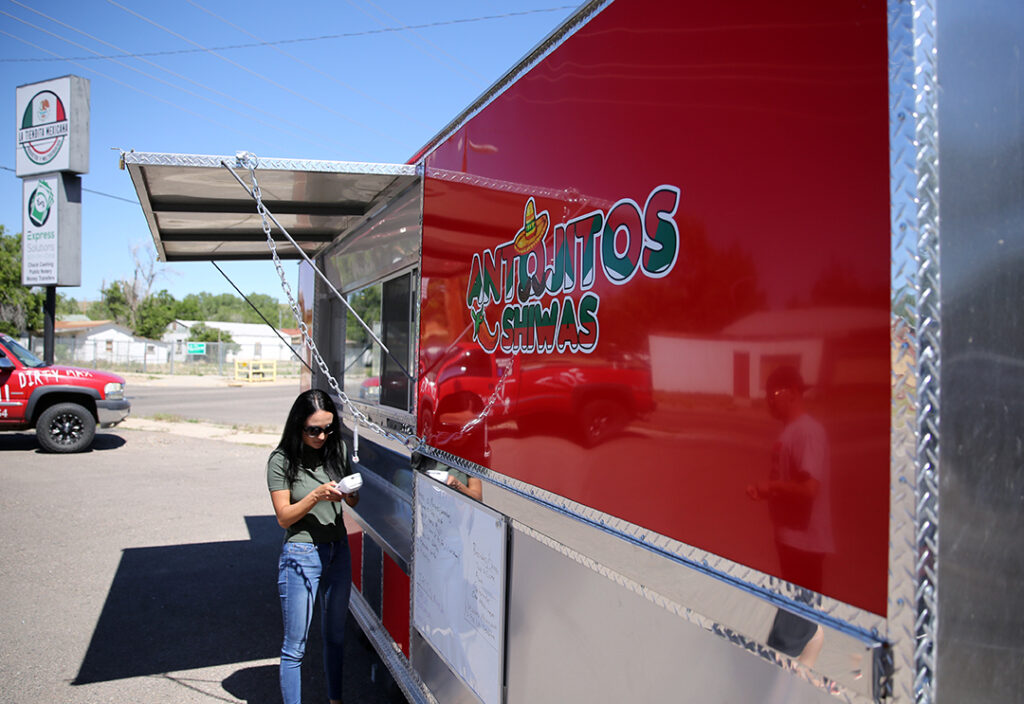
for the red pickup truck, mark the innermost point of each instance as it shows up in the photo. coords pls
(64, 404)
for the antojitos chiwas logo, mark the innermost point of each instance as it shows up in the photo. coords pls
(44, 127)
(534, 292)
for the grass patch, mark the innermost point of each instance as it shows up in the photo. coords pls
(173, 418)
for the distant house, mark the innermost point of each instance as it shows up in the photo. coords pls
(88, 341)
(251, 340)
(294, 335)
(825, 345)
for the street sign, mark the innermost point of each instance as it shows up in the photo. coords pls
(196, 347)
(53, 126)
(52, 230)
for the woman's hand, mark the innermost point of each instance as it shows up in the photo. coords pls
(475, 488)
(327, 492)
(288, 512)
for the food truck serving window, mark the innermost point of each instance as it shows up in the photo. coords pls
(370, 374)
(375, 266)
(396, 320)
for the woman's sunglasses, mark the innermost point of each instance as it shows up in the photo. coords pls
(315, 431)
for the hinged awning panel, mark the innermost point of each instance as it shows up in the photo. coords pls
(198, 211)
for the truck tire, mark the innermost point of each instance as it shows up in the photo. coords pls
(65, 427)
(602, 419)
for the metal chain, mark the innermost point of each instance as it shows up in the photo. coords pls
(249, 161)
(445, 438)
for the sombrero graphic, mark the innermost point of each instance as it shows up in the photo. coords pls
(534, 229)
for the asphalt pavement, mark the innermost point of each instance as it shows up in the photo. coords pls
(215, 400)
(144, 570)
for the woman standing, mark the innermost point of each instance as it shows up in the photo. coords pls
(302, 474)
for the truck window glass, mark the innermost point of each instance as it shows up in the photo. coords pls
(362, 355)
(22, 354)
(370, 375)
(396, 315)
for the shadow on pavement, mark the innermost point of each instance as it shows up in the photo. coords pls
(367, 681)
(256, 685)
(183, 607)
(10, 442)
(107, 441)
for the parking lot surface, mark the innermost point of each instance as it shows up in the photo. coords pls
(145, 571)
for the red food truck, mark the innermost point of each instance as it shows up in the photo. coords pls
(670, 290)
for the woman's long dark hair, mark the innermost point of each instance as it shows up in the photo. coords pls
(335, 459)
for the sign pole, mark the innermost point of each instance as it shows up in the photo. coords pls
(49, 316)
(52, 150)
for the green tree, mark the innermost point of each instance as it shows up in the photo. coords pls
(365, 302)
(188, 308)
(228, 308)
(202, 333)
(264, 304)
(115, 304)
(121, 299)
(66, 305)
(21, 307)
(154, 314)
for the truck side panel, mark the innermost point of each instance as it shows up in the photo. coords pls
(673, 194)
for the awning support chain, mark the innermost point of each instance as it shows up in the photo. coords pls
(445, 438)
(412, 442)
(248, 160)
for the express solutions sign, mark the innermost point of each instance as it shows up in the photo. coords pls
(53, 126)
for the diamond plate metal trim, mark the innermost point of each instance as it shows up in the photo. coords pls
(271, 164)
(568, 196)
(408, 681)
(584, 14)
(914, 449)
(784, 662)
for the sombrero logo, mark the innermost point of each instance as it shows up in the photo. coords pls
(534, 292)
(44, 127)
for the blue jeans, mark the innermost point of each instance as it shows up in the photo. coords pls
(304, 570)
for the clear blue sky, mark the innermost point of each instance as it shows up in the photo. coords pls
(377, 94)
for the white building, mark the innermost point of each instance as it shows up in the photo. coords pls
(251, 341)
(88, 341)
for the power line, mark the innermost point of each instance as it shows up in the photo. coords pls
(254, 108)
(130, 86)
(278, 42)
(419, 48)
(108, 195)
(311, 67)
(89, 190)
(256, 74)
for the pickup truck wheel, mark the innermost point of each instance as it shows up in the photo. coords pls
(600, 419)
(65, 427)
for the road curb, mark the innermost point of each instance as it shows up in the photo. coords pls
(208, 431)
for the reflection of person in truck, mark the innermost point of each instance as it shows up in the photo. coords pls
(457, 479)
(797, 491)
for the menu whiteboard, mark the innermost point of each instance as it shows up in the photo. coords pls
(458, 602)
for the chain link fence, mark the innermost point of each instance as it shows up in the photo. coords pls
(155, 357)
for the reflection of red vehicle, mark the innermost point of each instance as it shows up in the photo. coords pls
(598, 400)
(463, 371)
(370, 389)
(601, 400)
